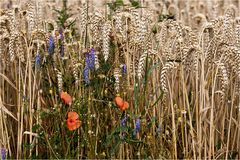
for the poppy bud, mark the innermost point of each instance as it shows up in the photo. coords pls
(67, 99)
(119, 101)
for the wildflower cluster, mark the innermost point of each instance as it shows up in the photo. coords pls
(123, 105)
(123, 81)
(89, 64)
(51, 45)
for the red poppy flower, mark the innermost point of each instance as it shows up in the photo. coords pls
(123, 105)
(119, 101)
(73, 122)
(67, 99)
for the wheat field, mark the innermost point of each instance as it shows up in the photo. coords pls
(121, 79)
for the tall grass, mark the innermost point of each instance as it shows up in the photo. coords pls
(176, 67)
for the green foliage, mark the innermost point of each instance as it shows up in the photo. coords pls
(163, 17)
(119, 3)
(121, 135)
(154, 29)
(135, 4)
(63, 16)
(115, 5)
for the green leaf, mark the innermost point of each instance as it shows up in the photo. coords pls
(35, 127)
(136, 97)
(135, 4)
(132, 141)
(119, 3)
(115, 147)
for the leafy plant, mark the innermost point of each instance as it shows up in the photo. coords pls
(63, 16)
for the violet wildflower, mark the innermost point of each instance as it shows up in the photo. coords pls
(51, 45)
(90, 64)
(86, 74)
(137, 128)
(124, 121)
(124, 69)
(38, 60)
(3, 153)
(90, 59)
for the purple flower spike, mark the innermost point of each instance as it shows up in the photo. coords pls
(137, 129)
(3, 153)
(90, 64)
(90, 59)
(92, 51)
(86, 75)
(124, 121)
(51, 45)
(124, 69)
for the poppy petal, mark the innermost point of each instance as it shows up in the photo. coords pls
(125, 106)
(73, 115)
(73, 124)
(119, 101)
(78, 123)
(70, 122)
(67, 99)
(71, 128)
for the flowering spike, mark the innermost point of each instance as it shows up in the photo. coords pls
(60, 80)
(96, 61)
(86, 75)
(3, 153)
(124, 69)
(51, 45)
(137, 128)
(106, 29)
(124, 121)
(90, 59)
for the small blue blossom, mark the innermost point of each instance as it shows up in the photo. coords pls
(86, 75)
(90, 64)
(124, 69)
(38, 60)
(137, 128)
(51, 45)
(3, 153)
(90, 59)
(124, 121)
